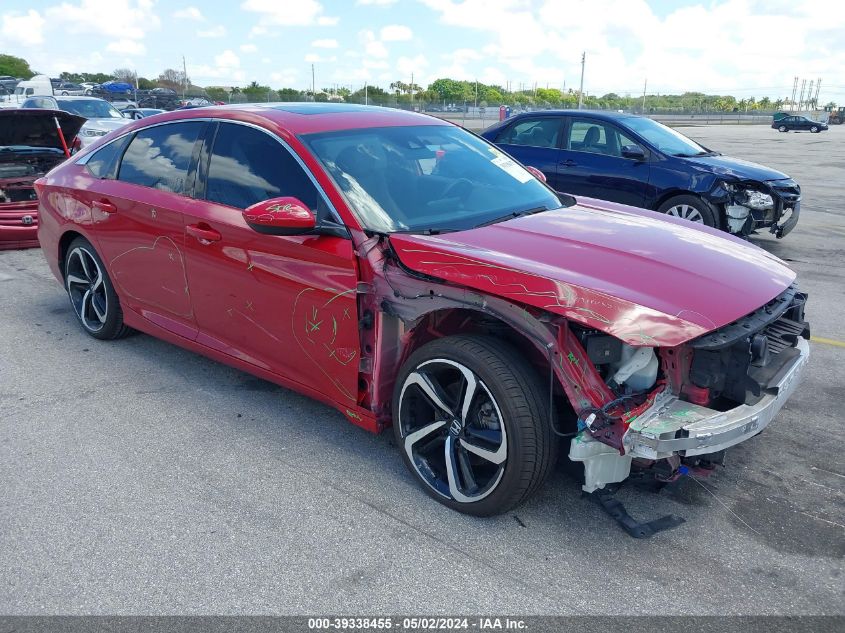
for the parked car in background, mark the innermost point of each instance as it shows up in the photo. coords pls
(140, 113)
(88, 86)
(30, 146)
(67, 88)
(122, 104)
(101, 116)
(796, 123)
(8, 82)
(116, 87)
(407, 272)
(637, 161)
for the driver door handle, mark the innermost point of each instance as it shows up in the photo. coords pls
(203, 233)
(568, 163)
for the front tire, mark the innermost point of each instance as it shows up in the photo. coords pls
(91, 294)
(814, 129)
(782, 128)
(471, 419)
(692, 208)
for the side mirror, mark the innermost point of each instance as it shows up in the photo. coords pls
(634, 152)
(536, 173)
(280, 216)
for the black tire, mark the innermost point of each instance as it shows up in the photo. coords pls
(510, 399)
(91, 293)
(680, 206)
(814, 129)
(783, 128)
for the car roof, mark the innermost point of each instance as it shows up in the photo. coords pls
(595, 114)
(309, 117)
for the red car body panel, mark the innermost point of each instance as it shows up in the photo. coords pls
(333, 317)
(617, 270)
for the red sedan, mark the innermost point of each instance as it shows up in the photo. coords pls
(409, 273)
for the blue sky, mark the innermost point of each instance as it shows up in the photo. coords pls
(742, 47)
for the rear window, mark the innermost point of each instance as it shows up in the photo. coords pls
(159, 157)
(103, 162)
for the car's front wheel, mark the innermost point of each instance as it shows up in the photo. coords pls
(692, 208)
(814, 129)
(782, 128)
(91, 293)
(471, 419)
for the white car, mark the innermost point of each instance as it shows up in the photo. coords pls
(102, 116)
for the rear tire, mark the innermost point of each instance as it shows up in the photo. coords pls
(783, 128)
(91, 294)
(692, 208)
(483, 453)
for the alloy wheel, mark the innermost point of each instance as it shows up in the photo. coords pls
(686, 212)
(452, 430)
(86, 288)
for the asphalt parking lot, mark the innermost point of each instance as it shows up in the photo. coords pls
(136, 477)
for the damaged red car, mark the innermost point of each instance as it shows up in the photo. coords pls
(409, 273)
(32, 142)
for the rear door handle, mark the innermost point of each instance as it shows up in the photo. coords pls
(568, 163)
(204, 233)
(104, 205)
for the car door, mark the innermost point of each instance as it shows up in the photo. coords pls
(591, 163)
(139, 224)
(286, 304)
(535, 141)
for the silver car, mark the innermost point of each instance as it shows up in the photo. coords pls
(102, 116)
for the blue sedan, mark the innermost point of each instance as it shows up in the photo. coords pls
(637, 161)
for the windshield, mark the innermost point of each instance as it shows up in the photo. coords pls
(89, 108)
(665, 138)
(427, 178)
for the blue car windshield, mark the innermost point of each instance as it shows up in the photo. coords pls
(431, 178)
(663, 138)
(89, 108)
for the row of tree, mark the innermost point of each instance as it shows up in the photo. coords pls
(441, 91)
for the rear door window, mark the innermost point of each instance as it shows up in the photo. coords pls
(159, 157)
(534, 132)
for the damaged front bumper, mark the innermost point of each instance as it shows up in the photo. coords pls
(675, 427)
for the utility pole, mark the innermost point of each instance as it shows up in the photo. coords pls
(366, 102)
(818, 87)
(184, 77)
(645, 86)
(794, 91)
(313, 83)
(581, 89)
(801, 98)
(476, 93)
(411, 90)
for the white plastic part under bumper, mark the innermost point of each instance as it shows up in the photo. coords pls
(654, 434)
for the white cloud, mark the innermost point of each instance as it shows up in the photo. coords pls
(248, 48)
(215, 31)
(325, 20)
(408, 65)
(25, 29)
(298, 13)
(376, 3)
(284, 77)
(189, 13)
(324, 44)
(372, 46)
(126, 47)
(129, 19)
(395, 33)
(227, 59)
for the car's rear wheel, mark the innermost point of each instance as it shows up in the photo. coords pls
(691, 208)
(782, 128)
(471, 419)
(91, 293)
(814, 129)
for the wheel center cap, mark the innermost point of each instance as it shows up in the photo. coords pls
(455, 428)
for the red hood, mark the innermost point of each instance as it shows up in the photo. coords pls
(625, 271)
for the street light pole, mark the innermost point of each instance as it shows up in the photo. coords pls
(645, 86)
(581, 90)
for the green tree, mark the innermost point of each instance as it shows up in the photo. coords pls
(15, 67)
(215, 93)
